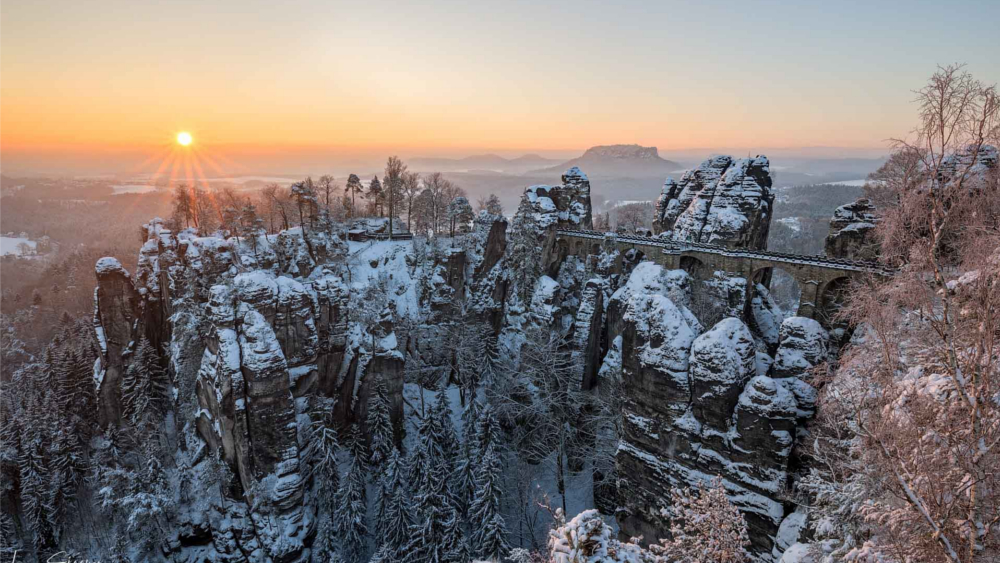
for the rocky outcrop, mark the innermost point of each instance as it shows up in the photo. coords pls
(978, 161)
(852, 231)
(722, 361)
(567, 205)
(700, 405)
(249, 327)
(587, 336)
(722, 201)
(116, 309)
(488, 279)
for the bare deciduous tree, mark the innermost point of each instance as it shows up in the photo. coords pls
(918, 393)
(392, 185)
(411, 188)
(634, 216)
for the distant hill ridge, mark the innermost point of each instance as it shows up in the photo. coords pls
(620, 160)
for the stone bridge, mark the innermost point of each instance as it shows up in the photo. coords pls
(821, 279)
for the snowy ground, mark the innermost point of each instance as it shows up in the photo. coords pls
(133, 189)
(388, 257)
(856, 183)
(8, 245)
(245, 179)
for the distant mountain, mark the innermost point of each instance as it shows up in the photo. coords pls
(483, 162)
(625, 161)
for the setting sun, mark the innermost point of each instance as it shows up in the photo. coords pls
(184, 138)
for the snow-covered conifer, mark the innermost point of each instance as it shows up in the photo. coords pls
(145, 386)
(352, 512)
(489, 537)
(357, 446)
(397, 521)
(437, 536)
(446, 437)
(389, 480)
(488, 431)
(379, 428)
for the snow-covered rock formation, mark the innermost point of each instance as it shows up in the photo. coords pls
(696, 406)
(728, 399)
(722, 201)
(851, 232)
(566, 205)
(253, 328)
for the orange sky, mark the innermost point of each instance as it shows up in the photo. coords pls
(443, 77)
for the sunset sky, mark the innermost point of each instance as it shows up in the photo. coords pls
(443, 77)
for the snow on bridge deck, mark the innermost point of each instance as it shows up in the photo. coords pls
(676, 247)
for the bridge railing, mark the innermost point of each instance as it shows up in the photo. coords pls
(681, 246)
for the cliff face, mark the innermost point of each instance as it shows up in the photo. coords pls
(252, 329)
(699, 401)
(699, 405)
(566, 205)
(116, 308)
(851, 232)
(722, 201)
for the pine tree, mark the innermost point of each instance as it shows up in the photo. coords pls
(382, 555)
(446, 436)
(327, 540)
(9, 541)
(357, 446)
(304, 195)
(250, 224)
(417, 465)
(470, 453)
(352, 512)
(470, 423)
(389, 481)
(437, 537)
(76, 393)
(488, 430)
(34, 490)
(374, 195)
(489, 354)
(321, 452)
(145, 386)
(380, 429)
(493, 538)
(429, 432)
(490, 537)
(65, 471)
(395, 521)
(353, 188)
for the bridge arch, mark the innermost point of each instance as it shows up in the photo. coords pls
(816, 281)
(781, 284)
(693, 266)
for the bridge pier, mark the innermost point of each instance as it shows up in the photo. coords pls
(809, 299)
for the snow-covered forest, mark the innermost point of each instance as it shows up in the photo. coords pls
(379, 370)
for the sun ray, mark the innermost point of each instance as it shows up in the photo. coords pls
(164, 152)
(170, 159)
(209, 161)
(175, 169)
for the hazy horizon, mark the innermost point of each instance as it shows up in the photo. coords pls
(106, 86)
(316, 161)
